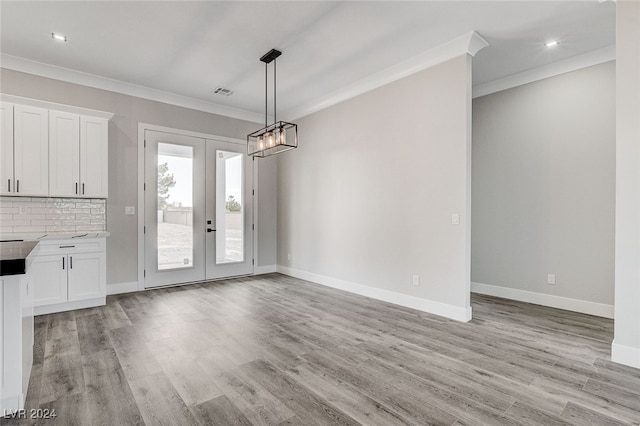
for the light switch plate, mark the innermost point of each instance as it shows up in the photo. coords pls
(129, 210)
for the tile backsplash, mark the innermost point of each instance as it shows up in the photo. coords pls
(24, 214)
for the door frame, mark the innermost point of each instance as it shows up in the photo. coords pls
(142, 127)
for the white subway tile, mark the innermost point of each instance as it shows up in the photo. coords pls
(29, 229)
(60, 228)
(46, 222)
(6, 229)
(9, 210)
(15, 222)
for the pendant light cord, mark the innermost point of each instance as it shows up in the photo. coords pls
(275, 61)
(266, 95)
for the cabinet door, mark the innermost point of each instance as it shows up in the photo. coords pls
(31, 150)
(64, 154)
(86, 276)
(6, 148)
(49, 277)
(93, 157)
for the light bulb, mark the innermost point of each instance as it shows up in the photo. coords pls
(270, 140)
(282, 136)
(260, 143)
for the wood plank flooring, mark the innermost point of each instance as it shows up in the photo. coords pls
(274, 350)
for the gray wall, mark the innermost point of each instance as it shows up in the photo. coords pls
(368, 196)
(543, 186)
(122, 246)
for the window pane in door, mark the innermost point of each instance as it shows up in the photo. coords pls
(175, 206)
(229, 207)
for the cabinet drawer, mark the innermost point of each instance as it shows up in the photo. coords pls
(69, 246)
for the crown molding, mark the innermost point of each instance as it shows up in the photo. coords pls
(469, 43)
(17, 63)
(573, 63)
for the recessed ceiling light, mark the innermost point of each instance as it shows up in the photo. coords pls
(552, 43)
(59, 37)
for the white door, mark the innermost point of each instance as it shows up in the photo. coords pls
(49, 275)
(229, 246)
(31, 150)
(174, 209)
(93, 157)
(85, 278)
(198, 209)
(6, 148)
(64, 150)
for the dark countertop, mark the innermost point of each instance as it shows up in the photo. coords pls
(13, 256)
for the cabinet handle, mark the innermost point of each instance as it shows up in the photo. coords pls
(76, 188)
(66, 246)
(17, 185)
(83, 189)
(70, 262)
(63, 263)
(8, 185)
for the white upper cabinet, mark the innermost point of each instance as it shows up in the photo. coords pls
(53, 150)
(94, 175)
(78, 157)
(6, 147)
(64, 154)
(30, 152)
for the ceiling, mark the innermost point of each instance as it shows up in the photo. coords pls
(190, 48)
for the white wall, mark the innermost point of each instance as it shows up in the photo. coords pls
(543, 191)
(626, 345)
(122, 246)
(365, 202)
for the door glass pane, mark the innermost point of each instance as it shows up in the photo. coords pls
(229, 207)
(175, 206)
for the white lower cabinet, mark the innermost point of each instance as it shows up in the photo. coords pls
(69, 275)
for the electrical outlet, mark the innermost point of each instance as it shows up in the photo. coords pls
(416, 280)
(129, 210)
(455, 219)
(289, 257)
(551, 279)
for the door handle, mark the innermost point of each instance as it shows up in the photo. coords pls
(210, 230)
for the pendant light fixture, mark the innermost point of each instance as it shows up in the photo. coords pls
(279, 136)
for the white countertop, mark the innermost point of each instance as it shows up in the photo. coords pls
(39, 236)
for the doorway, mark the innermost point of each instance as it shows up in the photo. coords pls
(198, 209)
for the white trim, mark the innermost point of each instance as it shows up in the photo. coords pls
(12, 404)
(595, 57)
(413, 302)
(625, 354)
(141, 212)
(17, 63)
(469, 43)
(552, 301)
(268, 269)
(55, 106)
(69, 306)
(120, 288)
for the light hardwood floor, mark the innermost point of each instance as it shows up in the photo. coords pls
(273, 350)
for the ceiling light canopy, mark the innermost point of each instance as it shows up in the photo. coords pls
(279, 136)
(59, 37)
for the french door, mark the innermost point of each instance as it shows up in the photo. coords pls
(198, 209)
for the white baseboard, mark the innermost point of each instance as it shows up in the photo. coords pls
(625, 355)
(268, 269)
(424, 305)
(119, 288)
(574, 305)
(69, 306)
